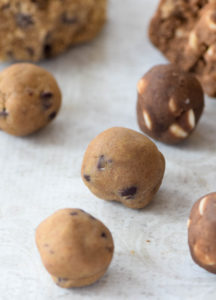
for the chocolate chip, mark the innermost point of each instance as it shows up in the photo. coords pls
(46, 245)
(3, 113)
(24, 20)
(46, 99)
(129, 192)
(66, 19)
(52, 252)
(47, 50)
(103, 235)
(52, 115)
(5, 6)
(87, 177)
(74, 213)
(102, 162)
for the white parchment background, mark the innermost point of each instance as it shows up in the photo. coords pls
(41, 173)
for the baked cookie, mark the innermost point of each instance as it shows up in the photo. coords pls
(185, 32)
(75, 248)
(202, 232)
(29, 99)
(34, 30)
(123, 165)
(170, 103)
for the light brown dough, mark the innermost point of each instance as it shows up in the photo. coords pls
(75, 248)
(29, 99)
(123, 165)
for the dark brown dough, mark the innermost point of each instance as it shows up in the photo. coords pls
(170, 103)
(184, 31)
(202, 232)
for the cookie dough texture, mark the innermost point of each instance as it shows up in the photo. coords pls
(29, 99)
(170, 103)
(202, 232)
(75, 248)
(123, 165)
(35, 30)
(185, 32)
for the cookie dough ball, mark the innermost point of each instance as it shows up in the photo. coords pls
(32, 30)
(123, 165)
(202, 232)
(29, 99)
(170, 103)
(75, 248)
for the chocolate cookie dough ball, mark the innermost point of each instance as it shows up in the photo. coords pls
(123, 165)
(170, 103)
(75, 248)
(29, 99)
(202, 232)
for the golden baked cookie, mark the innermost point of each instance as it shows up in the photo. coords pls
(123, 165)
(75, 248)
(29, 99)
(34, 30)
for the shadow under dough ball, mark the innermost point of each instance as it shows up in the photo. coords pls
(202, 232)
(123, 165)
(75, 248)
(29, 99)
(170, 103)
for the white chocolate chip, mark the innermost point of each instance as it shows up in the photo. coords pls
(187, 101)
(177, 131)
(172, 105)
(202, 206)
(203, 258)
(210, 51)
(147, 120)
(188, 223)
(141, 85)
(211, 24)
(191, 118)
(167, 9)
(193, 41)
(180, 33)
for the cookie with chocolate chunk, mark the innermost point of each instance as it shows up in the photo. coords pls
(30, 99)
(75, 248)
(184, 31)
(123, 165)
(170, 103)
(34, 30)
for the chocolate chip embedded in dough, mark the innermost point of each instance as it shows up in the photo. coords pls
(129, 193)
(24, 20)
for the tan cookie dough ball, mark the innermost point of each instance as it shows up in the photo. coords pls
(29, 99)
(170, 103)
(123, 165)
(202, 232)
(75, 248)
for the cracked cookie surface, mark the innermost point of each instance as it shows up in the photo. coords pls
(35, 30)
(184, 31)
(29, 99)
